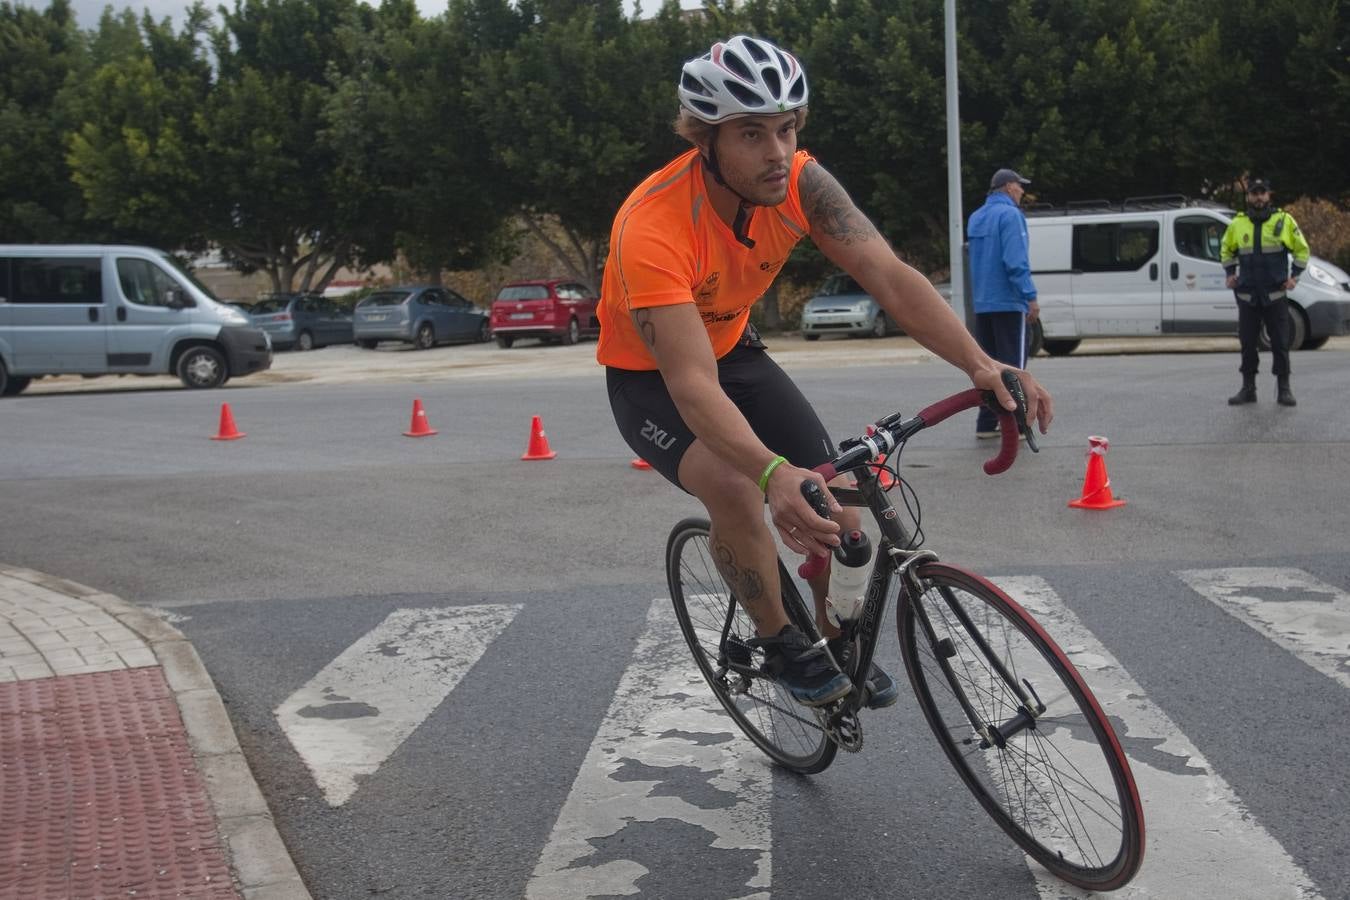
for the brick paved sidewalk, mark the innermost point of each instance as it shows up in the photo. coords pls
(120, 775)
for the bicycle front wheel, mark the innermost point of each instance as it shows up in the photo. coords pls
(717, 629)
(1022, 728)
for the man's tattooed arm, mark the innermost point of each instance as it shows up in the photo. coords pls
(830, 210)
(642, 318)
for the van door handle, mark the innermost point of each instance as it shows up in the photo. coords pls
(93, 314)
(122, 313)
(1152, 271)
(1176, 270)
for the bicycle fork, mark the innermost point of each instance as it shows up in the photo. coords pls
(1030, 707)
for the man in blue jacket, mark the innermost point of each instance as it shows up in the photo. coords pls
(1000, 275)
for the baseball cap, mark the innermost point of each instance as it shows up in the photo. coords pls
(1006, 176)
(1258, 184)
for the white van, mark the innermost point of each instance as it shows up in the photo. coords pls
(99, 310)
(1150, 266)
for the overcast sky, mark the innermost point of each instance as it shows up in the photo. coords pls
(87, 12)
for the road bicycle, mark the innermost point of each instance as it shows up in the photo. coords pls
(1013, 715)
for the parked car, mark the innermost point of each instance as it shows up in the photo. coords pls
(92, 309)
(423, 316)
(302, 321)
(553, 310)
(841, 306)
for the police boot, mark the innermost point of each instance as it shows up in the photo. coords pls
(1286, 396)
(1247, 394)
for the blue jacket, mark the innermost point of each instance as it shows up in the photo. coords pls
(1000, 271)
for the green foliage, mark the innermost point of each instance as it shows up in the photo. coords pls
(301, 135)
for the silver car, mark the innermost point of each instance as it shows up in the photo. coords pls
(841, 306)
(423, 316)
(302, 321)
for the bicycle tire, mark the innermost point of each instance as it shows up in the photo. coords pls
(1061, 789)
(786, 732)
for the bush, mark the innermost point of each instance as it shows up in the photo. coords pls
(1326, 227)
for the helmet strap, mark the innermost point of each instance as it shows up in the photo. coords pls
(741, 224)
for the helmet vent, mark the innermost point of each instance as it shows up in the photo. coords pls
(736, 65)
(773, 82)
(746, 98)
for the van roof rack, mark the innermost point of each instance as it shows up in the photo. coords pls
(1129, 204)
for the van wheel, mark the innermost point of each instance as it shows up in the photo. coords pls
(12, 384)
(426, 337)
(1037, 339)
(202, 367)
(573, 333)
(1298, 330)
(1061, 348)
(305, 341)
(1316, 343)
(505, 341)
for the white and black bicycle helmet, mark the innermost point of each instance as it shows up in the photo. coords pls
(742, 76)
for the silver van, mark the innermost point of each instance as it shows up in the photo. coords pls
(101, 310)
(1150, 266)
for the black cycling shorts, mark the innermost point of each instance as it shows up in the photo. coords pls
(776, 410)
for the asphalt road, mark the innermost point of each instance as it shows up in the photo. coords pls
(279, 552)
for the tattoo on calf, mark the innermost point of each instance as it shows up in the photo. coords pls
(746, 584)
(642, 318)
(830, 210)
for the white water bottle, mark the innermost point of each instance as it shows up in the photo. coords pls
(848, 577)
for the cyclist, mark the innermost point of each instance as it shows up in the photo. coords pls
(691, 387)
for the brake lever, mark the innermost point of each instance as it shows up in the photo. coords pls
(1014, 386)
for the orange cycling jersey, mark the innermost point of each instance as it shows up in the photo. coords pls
(668, 246)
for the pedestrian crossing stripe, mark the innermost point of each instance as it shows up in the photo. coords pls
(1307, 617)
(348, 719)
(1196, 825)
(663, 718)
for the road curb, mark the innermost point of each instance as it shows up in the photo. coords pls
(261, 864)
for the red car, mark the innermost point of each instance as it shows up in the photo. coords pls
(552, 310)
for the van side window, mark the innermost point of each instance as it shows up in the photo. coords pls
(57, 280)
(1199, 237)
(1114, 246)
(143, 282)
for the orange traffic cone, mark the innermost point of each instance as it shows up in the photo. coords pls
(640, 463)
(1096, 484)
(227, 430)
(420, 427)
(538, 448)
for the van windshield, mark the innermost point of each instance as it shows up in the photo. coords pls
(188, 276)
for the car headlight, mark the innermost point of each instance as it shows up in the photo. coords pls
(1320, 274)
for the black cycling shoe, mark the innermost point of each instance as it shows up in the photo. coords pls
(880, 687)
(805, 670)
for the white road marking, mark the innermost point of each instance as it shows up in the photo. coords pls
(354, 714)
(1201, 839)
(1307, 617)
(663, 716)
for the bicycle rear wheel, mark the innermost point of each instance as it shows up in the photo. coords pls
(1057, 782)
(716, 628)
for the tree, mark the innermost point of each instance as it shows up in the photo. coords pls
(38, 52)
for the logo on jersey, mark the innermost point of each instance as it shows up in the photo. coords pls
(772, 267)
(707, 291)
(657, 435)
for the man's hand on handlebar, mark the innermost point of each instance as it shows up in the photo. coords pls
(802, 530)
(1040, 405)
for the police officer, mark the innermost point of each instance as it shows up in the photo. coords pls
(1255, 256)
